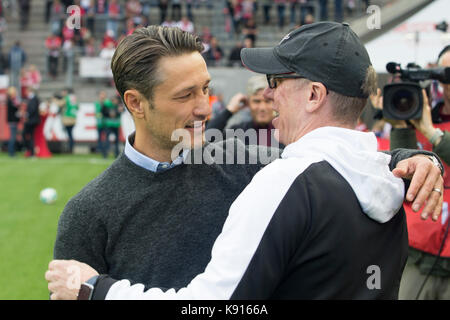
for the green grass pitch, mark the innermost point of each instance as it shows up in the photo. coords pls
(27, 226)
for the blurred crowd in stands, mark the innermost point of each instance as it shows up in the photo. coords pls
(26, 118)
(103, 23)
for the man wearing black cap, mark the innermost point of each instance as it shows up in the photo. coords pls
(322, 222)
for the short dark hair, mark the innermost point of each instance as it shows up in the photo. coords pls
(135, 60)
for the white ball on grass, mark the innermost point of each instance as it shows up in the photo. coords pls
(48, 195)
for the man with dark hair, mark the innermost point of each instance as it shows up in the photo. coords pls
(149, 211)
(153, 218)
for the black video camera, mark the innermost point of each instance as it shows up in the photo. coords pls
(404, 100)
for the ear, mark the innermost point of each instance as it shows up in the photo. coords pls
(135, 103)
(317, 96)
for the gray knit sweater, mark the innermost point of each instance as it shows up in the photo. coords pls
(153, 228)
(156, 228)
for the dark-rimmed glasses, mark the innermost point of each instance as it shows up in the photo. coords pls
(272, 78)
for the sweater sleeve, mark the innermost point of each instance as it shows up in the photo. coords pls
(81, 236)
(402, 154)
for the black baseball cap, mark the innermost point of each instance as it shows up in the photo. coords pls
(326, 52)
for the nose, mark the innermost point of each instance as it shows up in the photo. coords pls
(202, 108)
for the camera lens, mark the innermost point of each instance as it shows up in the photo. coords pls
(404, 101)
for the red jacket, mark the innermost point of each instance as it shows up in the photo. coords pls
(427, 235)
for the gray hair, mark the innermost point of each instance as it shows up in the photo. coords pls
(348, 109)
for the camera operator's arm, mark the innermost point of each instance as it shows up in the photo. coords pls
(442, 148)
(439, 139)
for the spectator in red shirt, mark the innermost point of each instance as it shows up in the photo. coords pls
(108, 37)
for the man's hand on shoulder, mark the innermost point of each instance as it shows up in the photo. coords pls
(65, 278)
(426, 186)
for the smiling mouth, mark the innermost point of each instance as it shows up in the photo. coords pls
(196, 125)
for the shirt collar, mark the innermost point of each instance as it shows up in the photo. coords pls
(148, 163)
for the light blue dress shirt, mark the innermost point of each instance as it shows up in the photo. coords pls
(148, 163)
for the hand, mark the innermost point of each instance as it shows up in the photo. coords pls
(425, 123)
(65, 278)
(377, 100)
(425, 176)
(238, 102)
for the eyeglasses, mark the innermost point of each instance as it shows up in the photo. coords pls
(272, 78)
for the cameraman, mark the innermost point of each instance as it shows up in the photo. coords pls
(427, 272)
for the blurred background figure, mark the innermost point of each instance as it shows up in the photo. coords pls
(100, 104)
(69, 115)
(255, 113)
(35, 76)
(111, 113)
(176, 10)
(24, 6)
(17, 60)
(163, 6)
(53, 44)
(32, 120)
(186, 24)
(281, 10)
(214, 54)
(40, 142)
(13, 105)
(250, 30)
(114, 14)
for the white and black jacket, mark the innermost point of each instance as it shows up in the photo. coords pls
(311, 225)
